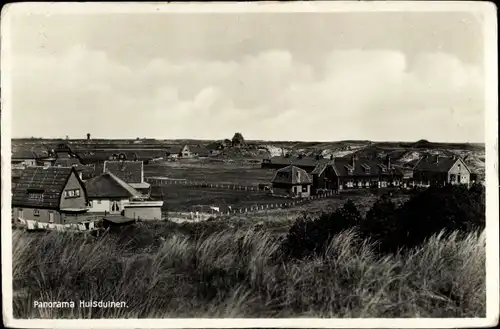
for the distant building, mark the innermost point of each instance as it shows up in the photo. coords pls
(179, 151)
(439, 170)
(23, 158)
(351, 173)
(291, 181)
(188, 151)
(131, 172)
(53, 195)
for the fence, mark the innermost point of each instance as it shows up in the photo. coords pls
(155, 182)
(198, 216)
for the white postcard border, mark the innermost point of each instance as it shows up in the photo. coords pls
(485, 10)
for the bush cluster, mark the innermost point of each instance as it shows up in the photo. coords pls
(428, 212)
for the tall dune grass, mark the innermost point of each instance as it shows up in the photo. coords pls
(239, 273)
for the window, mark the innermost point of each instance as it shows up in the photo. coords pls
(452, 178)
(35, 196)
(36, 212)
(74, 193)
(459, 178)
(304, 188)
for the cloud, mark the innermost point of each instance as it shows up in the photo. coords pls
(365, 94)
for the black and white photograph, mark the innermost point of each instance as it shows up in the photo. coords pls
(257, 164)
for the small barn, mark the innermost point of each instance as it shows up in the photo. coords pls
(143, 210)
(292, 181)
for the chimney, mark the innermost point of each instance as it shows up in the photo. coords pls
(88, 136)
(437, 158)
(331, 157)
(388, 162)
(317, 156)
(353, 161)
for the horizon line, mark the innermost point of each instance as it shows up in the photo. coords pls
(256, 140)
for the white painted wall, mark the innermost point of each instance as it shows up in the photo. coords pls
(105, 205)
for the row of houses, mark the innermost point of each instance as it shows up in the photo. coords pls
(304, 176)
(58, 195)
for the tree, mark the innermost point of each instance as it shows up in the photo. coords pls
(238, 140)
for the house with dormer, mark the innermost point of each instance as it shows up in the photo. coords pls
(352, 173)
(54, 195)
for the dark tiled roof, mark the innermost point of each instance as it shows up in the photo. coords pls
(67, 162)
(201, 151)
(321, 166)
(305, 161)
(436, 163)
(363, 167)
(128, 171)
(291, 175)
(16, 173)
(108, 185)
(48, 181)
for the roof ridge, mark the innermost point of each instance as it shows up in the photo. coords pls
(124, 185)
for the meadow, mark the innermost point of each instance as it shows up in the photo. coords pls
(222, 269)
(246, 174)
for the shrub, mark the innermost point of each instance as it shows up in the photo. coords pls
(307, 237)
(450, 208)
(381, 223)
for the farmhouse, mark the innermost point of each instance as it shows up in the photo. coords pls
(345, 173)
(131, 172)
(291, 181)
(53, 195)
(441, 170)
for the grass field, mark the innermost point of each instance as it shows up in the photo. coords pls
(183, 198)
(234, 270)
(205, 171)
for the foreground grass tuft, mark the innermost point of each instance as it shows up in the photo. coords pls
(239, 272)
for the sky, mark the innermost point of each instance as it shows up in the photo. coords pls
(390, 76)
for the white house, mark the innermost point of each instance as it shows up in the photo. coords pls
(109, 194)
